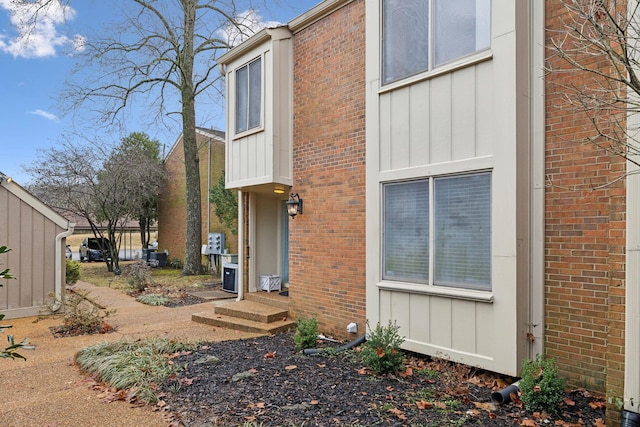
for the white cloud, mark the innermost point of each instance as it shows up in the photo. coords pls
(36, 24)
(250, 23)
(45, 114)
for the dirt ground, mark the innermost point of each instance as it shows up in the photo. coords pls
(47, 390)
(241, 379)
(264, 381)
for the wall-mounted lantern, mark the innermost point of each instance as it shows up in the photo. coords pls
(294, 205)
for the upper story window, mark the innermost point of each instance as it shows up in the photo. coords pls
(249, 96)
(419, 35)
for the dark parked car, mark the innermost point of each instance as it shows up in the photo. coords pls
(94, 249)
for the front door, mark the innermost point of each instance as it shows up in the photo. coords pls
(284, 222)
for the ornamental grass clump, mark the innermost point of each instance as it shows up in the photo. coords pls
(136, 366)
(381, 351)
(541, 387)
(153, 299)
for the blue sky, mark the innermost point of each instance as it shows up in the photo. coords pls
(33, 71)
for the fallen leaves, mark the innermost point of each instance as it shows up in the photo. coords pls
(398, 413)
(290, 389)
(423, 404)
(186, 381)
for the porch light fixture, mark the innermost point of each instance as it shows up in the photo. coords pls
(4, 177)
(294, 205)
(278, 189)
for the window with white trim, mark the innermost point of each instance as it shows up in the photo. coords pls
(249, 96)
(419, 35)
(437, 231)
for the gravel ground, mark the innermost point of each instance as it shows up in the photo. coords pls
(264, 381)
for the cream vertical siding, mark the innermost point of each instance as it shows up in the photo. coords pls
(444, 119)
(474, 116)
(262, 155)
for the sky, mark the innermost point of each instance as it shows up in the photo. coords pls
(35, 64)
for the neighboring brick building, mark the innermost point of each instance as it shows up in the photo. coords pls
(172, 211)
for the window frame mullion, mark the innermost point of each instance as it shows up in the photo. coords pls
(431, 230)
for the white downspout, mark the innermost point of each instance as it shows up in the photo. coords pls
(240, 272)
(57, 283)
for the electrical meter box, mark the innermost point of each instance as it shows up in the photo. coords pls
(215, 244)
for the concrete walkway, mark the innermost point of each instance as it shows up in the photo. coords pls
(48, 391)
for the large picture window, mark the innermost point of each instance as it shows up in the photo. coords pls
(418, 35)
(437, 231)
(249, 96)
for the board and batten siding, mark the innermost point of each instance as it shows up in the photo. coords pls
(477, 114)
(444, 119)
(262, 155)
(29, 229)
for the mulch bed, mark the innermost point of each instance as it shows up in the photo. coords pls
(62, 331)
(178, 297)
(265, 382)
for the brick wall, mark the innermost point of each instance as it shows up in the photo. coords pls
(172, 226)
(584, 240)
(327, 242)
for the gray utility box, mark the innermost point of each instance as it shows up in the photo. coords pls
(215, 244)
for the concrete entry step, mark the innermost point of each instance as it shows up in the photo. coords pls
(239, 324)
(247, 316)
(274, 299)
(251, 310)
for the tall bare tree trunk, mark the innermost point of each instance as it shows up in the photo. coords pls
(192, 258)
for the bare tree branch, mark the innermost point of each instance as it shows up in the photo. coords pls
(599, 38)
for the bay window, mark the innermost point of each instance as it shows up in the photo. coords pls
(437, 231)
(419, 35)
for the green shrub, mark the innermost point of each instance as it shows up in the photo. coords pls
(541, 387)
(381, 351)
(72, 271)
(138, 276)
(152, 299)
(306, 334)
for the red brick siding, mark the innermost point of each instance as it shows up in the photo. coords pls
(327, 242)
(584, 241)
